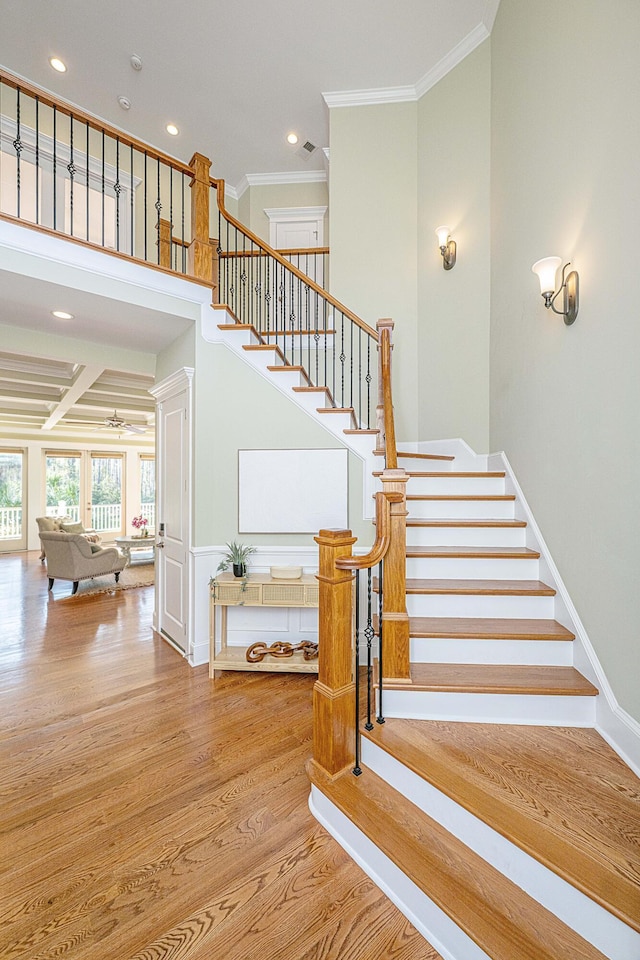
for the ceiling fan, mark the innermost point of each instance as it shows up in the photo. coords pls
(118, 423)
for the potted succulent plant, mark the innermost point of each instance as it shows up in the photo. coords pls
(236, 557)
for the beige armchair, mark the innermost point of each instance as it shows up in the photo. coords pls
(57, 525)
(71, 557)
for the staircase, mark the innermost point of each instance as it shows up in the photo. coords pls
(488, 809)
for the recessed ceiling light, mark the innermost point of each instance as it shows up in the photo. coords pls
(172, 129)
(292, 138)
(61, 315)
(57, 64)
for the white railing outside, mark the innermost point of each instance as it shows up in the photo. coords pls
(148, 510)
(106, 516)
(10, 523)
(69, 511)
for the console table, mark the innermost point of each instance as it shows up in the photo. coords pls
(258, 590)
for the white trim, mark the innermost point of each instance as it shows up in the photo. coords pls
(372, 97)
(615, 725)
(433, 923)
(466, 46)
(291, 214)
(412, 92)
(613, 937)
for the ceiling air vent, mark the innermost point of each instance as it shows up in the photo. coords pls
(306, 149)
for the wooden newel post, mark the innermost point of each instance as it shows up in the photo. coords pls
(334, 691)
(395, 619)
(381, 444)
(164, 243)
(199, 253)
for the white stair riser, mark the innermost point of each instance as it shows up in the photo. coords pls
(612, 937)
(460, 509)
(466, 536)
(432, 466)
(434, 925)
(472, 568)
(238, 338)
(531, 709)
(450, 485)
(289, 379)
(543, 653)
(261, 359)
(455, 605)
(310, 401)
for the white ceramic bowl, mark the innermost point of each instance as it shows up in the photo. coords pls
(286, 573)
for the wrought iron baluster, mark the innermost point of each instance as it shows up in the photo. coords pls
(145, 204)
(37, 159)
(71, 167)
(342, 359)
(117, 189)
(184, 268)
(171, 259)
(360, 417)
(103, 168)
(158, 206)
(357, 770)
(368, 380)
(380, 717)
(351, 325)
(369, 634)
(268, 296)
(87, 175)
(131, 215)
(18, 147)
(55, 120)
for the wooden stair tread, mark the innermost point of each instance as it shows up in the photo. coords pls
(348, 410)
(496, 914)
(510, 553)
(358, 431)
(416, 456)
(422, 473)
(311, 390)
(512, 679)
(453, 522)
(461, 496)
(497, 588)
(237, 326)
(289, 367)
(560, 794)
(486, 628)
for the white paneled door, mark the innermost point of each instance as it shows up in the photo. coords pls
(173, 516)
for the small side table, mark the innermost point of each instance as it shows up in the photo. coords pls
(137, 544)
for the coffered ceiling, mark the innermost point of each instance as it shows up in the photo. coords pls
(52, 399)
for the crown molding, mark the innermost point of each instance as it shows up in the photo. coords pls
(271, 179)
(375, 96)
(466, 46)
(411, 93)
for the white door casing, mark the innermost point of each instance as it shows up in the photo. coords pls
(173, 457)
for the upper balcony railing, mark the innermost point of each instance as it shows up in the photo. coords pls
(65, 171)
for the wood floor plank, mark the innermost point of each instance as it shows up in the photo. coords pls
(142, 803)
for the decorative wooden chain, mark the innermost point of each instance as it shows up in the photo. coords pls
(258, 651)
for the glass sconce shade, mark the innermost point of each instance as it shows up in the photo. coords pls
(546, 270)
(442, 234)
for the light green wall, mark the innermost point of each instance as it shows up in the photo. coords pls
(180, 353)
(255, 199)
(565, 401)
(453, 306)
(237, 409)
(373, 228)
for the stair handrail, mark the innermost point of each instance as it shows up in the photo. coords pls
(291, 312)
(219, 187)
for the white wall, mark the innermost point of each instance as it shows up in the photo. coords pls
(453, 306)
(565, 401)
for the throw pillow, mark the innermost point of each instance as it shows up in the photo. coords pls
(47, 525)
(71, 528)
(95, 548)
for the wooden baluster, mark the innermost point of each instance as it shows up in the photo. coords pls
(199, 253)
(164, 242)
(334, 690)
(395, 660)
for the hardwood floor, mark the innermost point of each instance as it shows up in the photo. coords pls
(148, 812)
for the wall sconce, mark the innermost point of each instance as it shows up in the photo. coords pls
(546, 270)
(447, 248)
